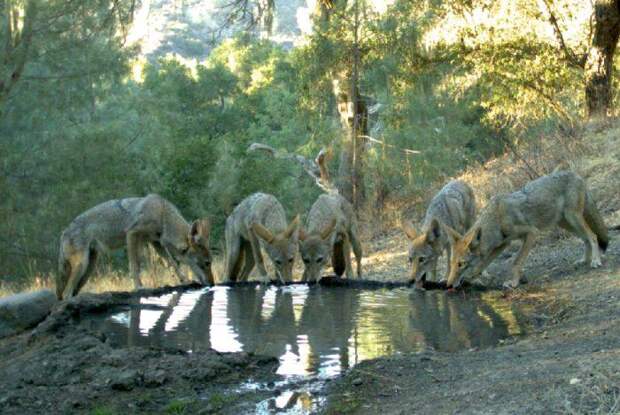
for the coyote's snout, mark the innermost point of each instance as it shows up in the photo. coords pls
(330, 232)
(450, 213)
(559, 199)
(260, 220)
(132, 222)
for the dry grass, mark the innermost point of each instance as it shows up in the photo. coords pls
(597, 393)
(592, 150)
(107, 279)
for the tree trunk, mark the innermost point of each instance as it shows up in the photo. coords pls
(17, 41)
(599, 62)
(354, 119)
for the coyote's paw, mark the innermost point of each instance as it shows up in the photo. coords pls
(595, 263)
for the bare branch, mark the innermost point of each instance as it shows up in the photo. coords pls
(316, 168)
(374, 140)
(568, 53)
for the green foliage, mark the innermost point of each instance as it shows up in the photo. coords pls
(76, 130)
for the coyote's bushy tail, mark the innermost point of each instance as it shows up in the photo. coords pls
(64, 269)
(595, 222)
(338, 262)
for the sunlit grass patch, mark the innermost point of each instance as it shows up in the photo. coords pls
(106, 279)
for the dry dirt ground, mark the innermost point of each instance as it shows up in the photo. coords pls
(569, 363)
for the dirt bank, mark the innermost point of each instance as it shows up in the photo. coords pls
(570, 363)
(64, 368)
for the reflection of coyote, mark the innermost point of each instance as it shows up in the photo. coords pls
(452, 209)
(260, 217)
(559, 199)
(134, 222)
(330, 232)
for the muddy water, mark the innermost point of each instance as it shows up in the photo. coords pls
(314, 331)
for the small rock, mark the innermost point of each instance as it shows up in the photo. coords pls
(574, 381)
(125, 381)
(357, 381)
(155, 378)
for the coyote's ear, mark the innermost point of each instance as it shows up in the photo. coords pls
(200, 229)
(263, 232)
(434, 231)
(409, 230)
(205, 227)
(327, 231)
(471, 236)
(194, 236)
(292, 228)
(454, 235)
(302, 234)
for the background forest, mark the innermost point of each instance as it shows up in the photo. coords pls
(102, 99)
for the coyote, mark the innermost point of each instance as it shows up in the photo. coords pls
(134, 222)
(453, 208)
(260, 220)
(558, 199)
(330, 231)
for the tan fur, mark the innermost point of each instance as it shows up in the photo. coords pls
(559, 199)
(134, 223)
(330, 231)
(259, 220)
(451, 212)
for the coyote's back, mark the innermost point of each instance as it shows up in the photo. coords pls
(259, 220)
(131, 222)
(330, 232)
(450, 213)
(558, 199)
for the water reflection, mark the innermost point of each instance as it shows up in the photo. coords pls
(313, 331)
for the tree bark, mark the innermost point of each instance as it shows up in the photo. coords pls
(17, 43)
(354, 119)
(599, 62)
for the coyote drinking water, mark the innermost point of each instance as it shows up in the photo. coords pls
(558, 199)
(260, 220)
(132, 222)
(453, 208)
(330, 232)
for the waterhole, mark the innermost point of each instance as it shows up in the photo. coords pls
(315, 332)
(312, 330)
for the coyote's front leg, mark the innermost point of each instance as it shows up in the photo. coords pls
(134, 243)
(258, 257)
(167, 257)
(528, 242)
